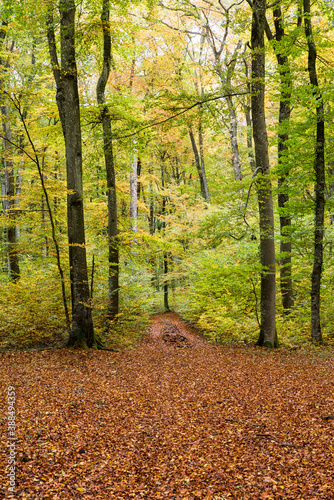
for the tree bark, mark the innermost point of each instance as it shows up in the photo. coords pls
(199, 162)
(82, 332)
(9, 197)
(166, 288)
(113, 273)
(9, 184)
(319, 168)
(265, 201)
(163, 228)
(247, 111)
(283, 193)
(236, 163)
(201, 155)
(133, 194)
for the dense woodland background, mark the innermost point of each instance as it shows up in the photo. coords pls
(164, 98)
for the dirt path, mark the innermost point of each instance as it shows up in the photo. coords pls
(174, 418)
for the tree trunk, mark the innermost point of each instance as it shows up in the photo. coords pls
(82, 332)
(283, 193)
(163, 228)
(9, 197)
(266, 216)
(8, 187)
(113, 274)
(199, 162)
(166, 302)
(247, 106)
(330, 163)
(140, 188)
(319, 168)
(133, 194)
(201, 154)
(236, 163)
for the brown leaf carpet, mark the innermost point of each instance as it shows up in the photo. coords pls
(174, 418)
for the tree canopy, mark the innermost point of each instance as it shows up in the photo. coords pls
(166, 155)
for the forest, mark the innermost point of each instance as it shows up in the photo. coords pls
(157, 155)
(166, 249)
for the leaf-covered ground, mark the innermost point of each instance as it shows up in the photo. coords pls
(174, 418)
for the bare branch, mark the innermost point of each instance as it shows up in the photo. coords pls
(197, 103)
(188, 32)
(20, 148)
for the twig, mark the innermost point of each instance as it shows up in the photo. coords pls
(256, 171)
(241, 422)
(280, 443)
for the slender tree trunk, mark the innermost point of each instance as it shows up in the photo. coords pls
(226, 83)
(247, 106)
(113, 274)
(249, 137)
(151, 220)
(165, 254)
(133, 194)
(140, 188)
(199, 162)
(330, 163)
(166, 288)
(82, 332)
(319, 168)
(8, 188)
(201, 155)
(236, 163)
(9, 198)
(265, 200)
(283, 193)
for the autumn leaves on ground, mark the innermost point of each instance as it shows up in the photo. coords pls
(174, 418)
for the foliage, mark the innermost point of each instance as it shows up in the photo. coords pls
(187, 420)
(221, 296)
(161, 68)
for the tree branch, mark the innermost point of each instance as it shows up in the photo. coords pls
(197, 103)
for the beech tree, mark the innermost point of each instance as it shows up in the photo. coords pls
(319, 169)
(8, 184)
(169, 89)
(67, 97)
(113, 257)
(199, 161)
(264, 189)
(283, 63)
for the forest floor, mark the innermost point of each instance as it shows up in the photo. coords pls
(174, 418)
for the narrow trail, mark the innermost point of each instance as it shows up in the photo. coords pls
(173, 419)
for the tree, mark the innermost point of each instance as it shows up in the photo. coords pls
(134, 193)
(199, 160)
(283, 136)
(82, 332)
(264, 190)
(113, 274)
(8, 187)
(205, 19)
(319, 169)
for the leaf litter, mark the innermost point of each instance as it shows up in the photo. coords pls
(174, 418)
